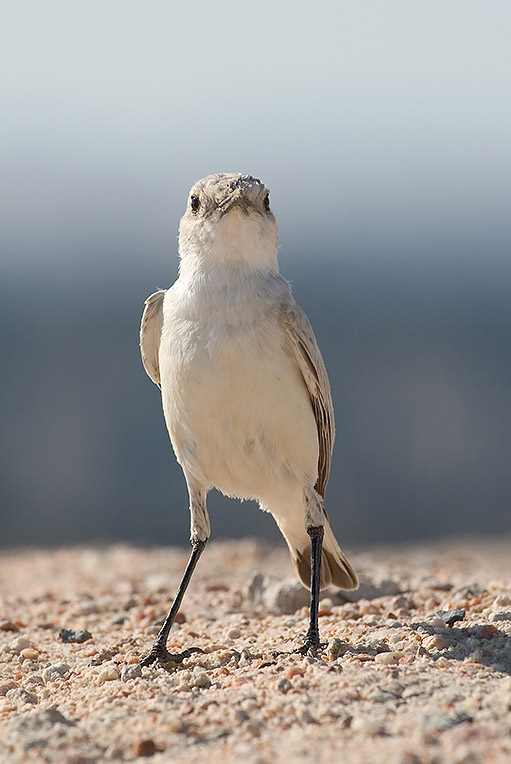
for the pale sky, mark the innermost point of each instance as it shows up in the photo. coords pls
(366, 119)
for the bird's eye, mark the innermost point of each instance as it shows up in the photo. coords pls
(267, 202)
(194, 204)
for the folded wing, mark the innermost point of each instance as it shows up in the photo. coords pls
(312, 367)
(150, 334)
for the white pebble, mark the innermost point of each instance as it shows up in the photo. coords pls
(19, 644)
(388, 658)
(437, 623)
(109, 674)
(336, 647)
(56, 671)
(131, 672)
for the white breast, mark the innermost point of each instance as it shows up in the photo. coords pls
(235, 403)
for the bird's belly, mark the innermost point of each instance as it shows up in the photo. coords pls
(239, 418)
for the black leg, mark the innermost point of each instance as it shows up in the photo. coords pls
(312, 643)
(159, 652)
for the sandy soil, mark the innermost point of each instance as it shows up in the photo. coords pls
(396, 682)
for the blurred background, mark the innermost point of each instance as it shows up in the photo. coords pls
(383, 131)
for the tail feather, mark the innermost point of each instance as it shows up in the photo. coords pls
(336, 569)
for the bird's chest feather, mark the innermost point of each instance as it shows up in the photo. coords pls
(234, 399)
(223, 357)
(218, 371)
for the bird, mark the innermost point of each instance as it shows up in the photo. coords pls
(245, 392)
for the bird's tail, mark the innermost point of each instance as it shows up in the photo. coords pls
(336, 569)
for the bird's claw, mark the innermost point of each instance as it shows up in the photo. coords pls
(310, 647)
(161, 656)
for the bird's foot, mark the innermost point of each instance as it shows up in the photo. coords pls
(161, 656)
(310, 647)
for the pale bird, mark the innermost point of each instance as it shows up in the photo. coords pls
(245, 392)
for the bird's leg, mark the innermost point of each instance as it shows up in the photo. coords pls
(199, 537)
(159, 652)
(312, 643)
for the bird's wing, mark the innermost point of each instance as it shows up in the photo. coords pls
(150, 333)
(312, 367)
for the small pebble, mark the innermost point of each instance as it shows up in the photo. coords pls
(388, 658)
(234, 633)
(284, 686)
(56, 671)
(72, 635)
(8, 626)
(6, 685)
(437, 623)
(132, 671)
(30, 654)
(336, 648)
(19, 644)
(145, 748)
(451, 616)
(293, 671)
(253, 728)
(109, 674)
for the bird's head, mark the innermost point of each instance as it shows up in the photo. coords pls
(228, 220)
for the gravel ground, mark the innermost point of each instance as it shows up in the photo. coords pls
(396, 683)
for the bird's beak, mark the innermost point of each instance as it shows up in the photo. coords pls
(237, 198)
